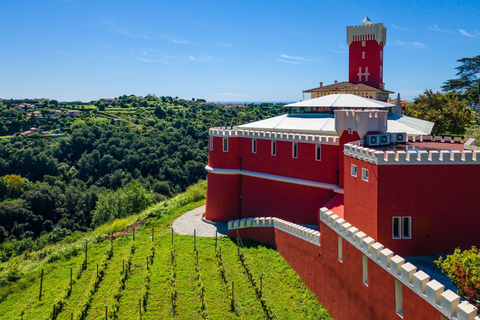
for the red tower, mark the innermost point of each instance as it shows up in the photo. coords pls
(366, 44)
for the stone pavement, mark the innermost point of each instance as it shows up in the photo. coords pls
(192, 220)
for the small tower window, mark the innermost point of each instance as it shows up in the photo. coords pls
(381, 55)
(318, 152)
(274, 147)
(211, 143)
(381, 72)
(396, 227)
(254, 145)
(363, 55)
(353, 170)
(365, 269)
(364, 43)
(365, 174)
(225, 144)
(407, 227)
(295, 150)
(340, 249)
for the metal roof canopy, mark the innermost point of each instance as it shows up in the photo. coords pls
(341, 101)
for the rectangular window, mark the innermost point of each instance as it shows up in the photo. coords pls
(381, 55)
(396, 227)
(274, 147)
(318, 152)
(254, 145)
(364, 43)
(225, 144)
(363, 55)
(407, 227)
(381, 72)
(365, 174)
(295, 150)
(398, 298)
(211, 143)
(340, 249)
(365, 269)
(354, 170)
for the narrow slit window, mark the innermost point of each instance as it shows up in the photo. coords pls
(363, 55)
(318, 152)
(407, 227)
(225, 144)
(396, 227)
(254, 145)
(364, 43)
(365, 174)
(354, 170)
(365, 269)
(398, 298)
(295, 150)
(340, 249)
(211, 143)
(274, 147)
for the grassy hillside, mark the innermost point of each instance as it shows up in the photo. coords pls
(143, 279)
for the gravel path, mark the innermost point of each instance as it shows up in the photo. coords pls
(192, 220)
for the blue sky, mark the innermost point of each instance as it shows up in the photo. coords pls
(221, 50)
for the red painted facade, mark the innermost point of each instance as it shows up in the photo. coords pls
(366, 57)
(234, 196)
(339, 284)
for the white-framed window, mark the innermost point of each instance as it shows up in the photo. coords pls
(340, 249)
(381, 72)
(364, 43)
(225, 144)
(365, 174)
(295, 150)
(254, 145)
(396, 227)
(211, 143)
(318, 152)
(274, 148)
(353, 170)
(365, 269)
(407, 227)
(363, 55)
(402, 227)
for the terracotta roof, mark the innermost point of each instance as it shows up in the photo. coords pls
(345, 87)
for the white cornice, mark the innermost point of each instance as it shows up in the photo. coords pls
(308, 183)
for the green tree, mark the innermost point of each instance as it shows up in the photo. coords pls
(15, 185)
(448, 111)
(468, 82)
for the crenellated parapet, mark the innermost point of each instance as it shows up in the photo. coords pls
(411, 157)
(375, 31)
(273, 135)
(447, 302)
(296, 230)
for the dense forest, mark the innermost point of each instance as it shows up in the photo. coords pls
(111, 161)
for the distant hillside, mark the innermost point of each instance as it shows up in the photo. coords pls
(49, 187)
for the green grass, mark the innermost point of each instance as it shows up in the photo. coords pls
(283, 290)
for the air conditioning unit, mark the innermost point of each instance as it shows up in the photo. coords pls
(399, 137)
(384, 139)
(373, 140)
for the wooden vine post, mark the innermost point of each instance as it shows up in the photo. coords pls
(261, 286)
(133, 234)
(172, 236)
(97, 270)
(216, 238)
(195, 239)
(139, 307)
(106, 312)
(233, 297)
(153, 234)
(41, 286)
(123, 269)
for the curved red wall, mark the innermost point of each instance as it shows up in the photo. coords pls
(222, 197)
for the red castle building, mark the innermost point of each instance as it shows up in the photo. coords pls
(340, 183)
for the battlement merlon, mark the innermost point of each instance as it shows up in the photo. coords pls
(375, 31)
(412, 157)
(273, 135)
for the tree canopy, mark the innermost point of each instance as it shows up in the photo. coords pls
(468, 82)
(448, 111)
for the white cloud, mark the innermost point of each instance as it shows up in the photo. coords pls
(401, 29)
(412, 44)
(142, 59)
(196, 59)
(291, 62)
(436, 28)
(465, 33)
(225, 45)
(293, 58)
(181, 41)
(338, 51)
